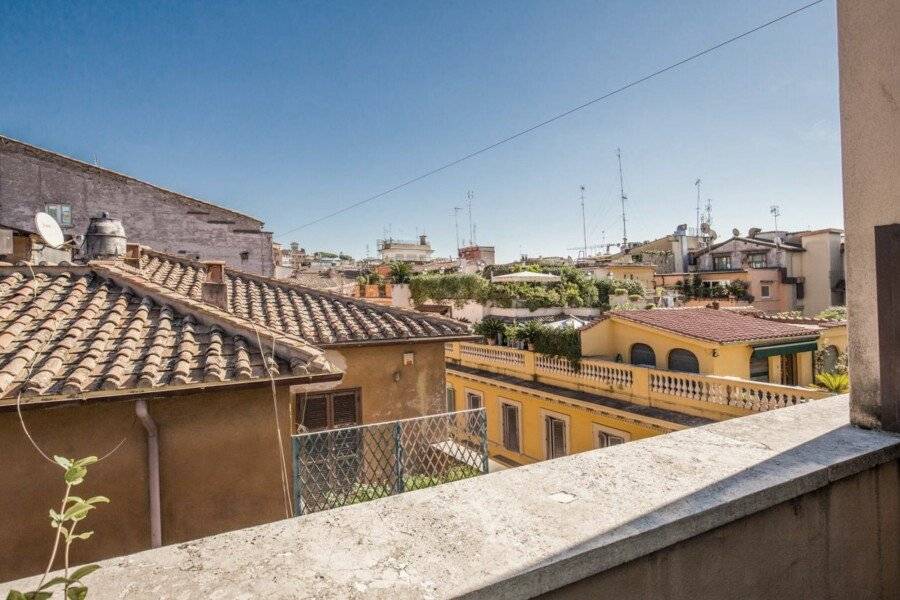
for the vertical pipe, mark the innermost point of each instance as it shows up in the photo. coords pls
(140, 409)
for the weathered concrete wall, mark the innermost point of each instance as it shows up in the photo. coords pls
(31, 178)
(390, 389)
(219, 471)
(868, 47)
(842, 541)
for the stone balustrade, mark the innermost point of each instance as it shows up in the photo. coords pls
(729, 396)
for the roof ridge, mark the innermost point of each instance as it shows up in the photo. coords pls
(298, 286)
(293, 347)
(86, 165)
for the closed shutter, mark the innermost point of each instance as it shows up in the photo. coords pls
(344, 410)
(684, 361)
(556, 437)
(451, 399)
(315, 413)
(511, 427)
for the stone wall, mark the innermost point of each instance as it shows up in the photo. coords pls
(31, 178)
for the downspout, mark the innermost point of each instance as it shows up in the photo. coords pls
(140, 409)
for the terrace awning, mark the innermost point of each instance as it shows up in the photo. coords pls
(782, 349)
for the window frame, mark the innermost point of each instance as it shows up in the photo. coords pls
(763, 285)
(652, 354)
(669, 361)
(329, 396)
(753, 260)
(57, 210)
(597, 430)
(450, 399)
(476, 393)
(721, 257)
(503, 402)
(545, 414)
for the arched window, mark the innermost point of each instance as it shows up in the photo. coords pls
(684, 361)
(642, 354)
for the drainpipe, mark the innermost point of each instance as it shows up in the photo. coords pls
(140, 409)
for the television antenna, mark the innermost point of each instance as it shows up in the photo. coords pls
(583, 223)
(456, 210)
(49, 230)
(775, 211)
(470, 195)
(623, 198)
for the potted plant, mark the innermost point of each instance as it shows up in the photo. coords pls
(529, 332)
(490, 328)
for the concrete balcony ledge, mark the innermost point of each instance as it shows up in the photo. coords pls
(525, 531)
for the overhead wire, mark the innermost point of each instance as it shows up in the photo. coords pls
(554, 118)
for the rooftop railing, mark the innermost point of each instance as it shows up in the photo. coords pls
(686, 392)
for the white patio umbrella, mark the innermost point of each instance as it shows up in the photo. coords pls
(526, 277)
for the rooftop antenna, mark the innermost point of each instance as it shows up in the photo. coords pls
(623, 198)
(456, 210)
(697, 183)
(583, 224)
(470, 195)
(775, 211)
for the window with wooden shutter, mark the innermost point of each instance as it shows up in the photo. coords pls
(555, 437)
(607, 439)
(473, 400)
(331, 410)
(451, 399)
(511, 427)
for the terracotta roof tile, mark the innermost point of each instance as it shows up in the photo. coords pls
(319, 317)
(78, 332)
(715, 325)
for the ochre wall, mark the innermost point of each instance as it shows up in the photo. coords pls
(390, 389)
(219, 471)
(532, 409)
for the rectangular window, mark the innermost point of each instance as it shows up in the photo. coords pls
(511, 427)
(606, 439)
(61, 212)
(451, 399)
(721, 263)
(555, 436)
(765, 289)
(759, 368)
(758, 261)
(332, 410)
(473, 400)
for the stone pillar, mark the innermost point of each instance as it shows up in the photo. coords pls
(869, 47)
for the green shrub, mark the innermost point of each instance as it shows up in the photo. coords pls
(833, 313)
(833, 382)
(564, 342)
(490, 328)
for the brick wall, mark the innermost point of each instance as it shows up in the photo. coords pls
(31, 178)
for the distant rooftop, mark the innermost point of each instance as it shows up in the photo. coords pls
(715, 325)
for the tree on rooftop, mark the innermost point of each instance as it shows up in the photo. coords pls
(401, 272)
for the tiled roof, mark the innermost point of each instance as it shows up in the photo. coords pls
(73, 331)
(319, 317)
(715, 325)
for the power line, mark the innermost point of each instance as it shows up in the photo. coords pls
(553, 119)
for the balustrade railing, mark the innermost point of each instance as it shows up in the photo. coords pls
(639, 384)
(604, 372)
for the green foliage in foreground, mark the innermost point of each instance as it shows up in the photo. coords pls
(833, 313)
(833, 382)
(73, 510)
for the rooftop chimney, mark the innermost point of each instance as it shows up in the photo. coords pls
(133, 255)
(754, 231)
(423, 240)
(213, 290)
(104, 239)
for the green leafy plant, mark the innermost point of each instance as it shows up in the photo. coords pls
(490, 328)
(833, 313)
(833, 382)
(564, 342)
(72, 511)
(401, 272)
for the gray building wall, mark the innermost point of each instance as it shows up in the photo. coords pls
(31, 178)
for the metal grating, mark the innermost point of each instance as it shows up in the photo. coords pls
(337, 467)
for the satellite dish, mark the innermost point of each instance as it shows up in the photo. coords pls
(49, 230)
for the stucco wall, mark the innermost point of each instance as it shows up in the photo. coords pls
(581, 432)
(841, 541)
(31, 178)
(219, 471)
(822, 267)
(868, 46)
(390, 389)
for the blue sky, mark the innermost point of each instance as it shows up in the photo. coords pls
(289, 111)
